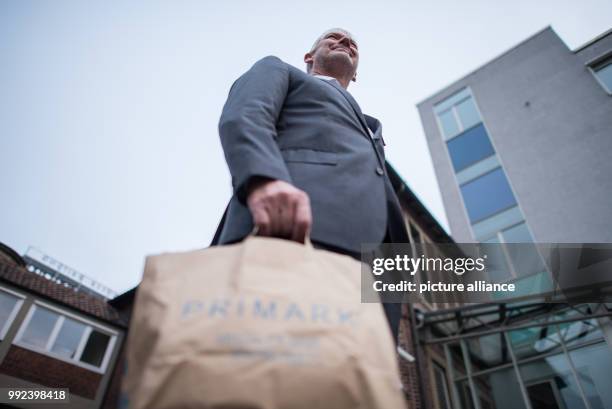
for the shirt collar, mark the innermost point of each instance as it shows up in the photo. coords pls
(328, 78)
(325, 77)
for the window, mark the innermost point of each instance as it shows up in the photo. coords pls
(441, 387)
(603, 73)
(517, 234)
(470, 147)
(448, 123)
(490, 227)
(457, 113)
(497, 262)
(68, 338)
(9, 306)
(523, 255)
(487, 195)
(490, 203)
(95, 348)
(41, 324)
(467, 113)
(517, 256)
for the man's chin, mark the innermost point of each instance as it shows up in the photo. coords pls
(341, 58)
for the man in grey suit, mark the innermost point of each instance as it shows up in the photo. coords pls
(304, 159)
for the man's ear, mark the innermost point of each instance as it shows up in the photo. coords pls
(354, 79)
(308, 58)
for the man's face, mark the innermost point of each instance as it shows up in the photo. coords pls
(335, 48)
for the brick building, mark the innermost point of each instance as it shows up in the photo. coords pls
(52, 335)
(419, 368)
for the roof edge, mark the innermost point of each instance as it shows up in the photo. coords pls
(497, 57)
(12, 254)
(426, 213)
(116, 322)
(592, 41)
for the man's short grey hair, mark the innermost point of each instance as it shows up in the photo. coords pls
(322, 36)
(332, 30)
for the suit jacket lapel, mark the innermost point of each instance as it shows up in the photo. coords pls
(354, 105)
(364, 124)
(375, 126)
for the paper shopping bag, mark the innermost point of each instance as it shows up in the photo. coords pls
(262, 324)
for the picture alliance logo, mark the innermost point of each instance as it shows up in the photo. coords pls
(404, 263)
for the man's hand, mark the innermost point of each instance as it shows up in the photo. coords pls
(279, 209)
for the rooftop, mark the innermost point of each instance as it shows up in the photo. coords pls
(13, 271)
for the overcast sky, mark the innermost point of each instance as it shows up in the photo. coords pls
(109, 110)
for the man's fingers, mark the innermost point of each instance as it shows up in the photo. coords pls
(286, 214)
(279, 209)
(273, 210)
(261, 219)
(302, 220)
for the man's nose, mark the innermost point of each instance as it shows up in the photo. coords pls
(345, 41)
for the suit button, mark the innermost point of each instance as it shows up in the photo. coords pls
(380, 171)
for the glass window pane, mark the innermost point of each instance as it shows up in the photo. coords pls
(593, 365)
(524, 255)
(525, 259)
(468, 115)
(579, 332)
(517, 234)
(490, 226)
(7, 304)
(487, 195)
(68, 338)
(500, 389)
(605, 75)
(497, 263)
(470, 147)
(39, 328)
(441, 387)
(449, 124)
(455, 350)
(534, 284)
(95, 348)
(535, 341)
(488, 351)
(477, 169)
(551, 384)
(465, 395)
(452, 100)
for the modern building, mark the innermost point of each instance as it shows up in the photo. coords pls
(521, 148)
(55, 335)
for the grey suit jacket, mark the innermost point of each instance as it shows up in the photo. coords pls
(281, 123)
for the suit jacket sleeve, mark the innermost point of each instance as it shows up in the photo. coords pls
(248, 124)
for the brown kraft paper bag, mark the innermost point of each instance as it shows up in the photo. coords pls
(262, 324)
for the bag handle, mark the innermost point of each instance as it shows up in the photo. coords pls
(307, 241)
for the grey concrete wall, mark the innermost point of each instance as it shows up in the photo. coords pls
(551, 124)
